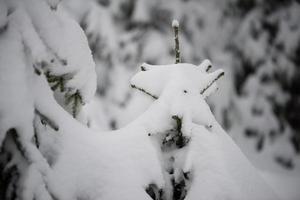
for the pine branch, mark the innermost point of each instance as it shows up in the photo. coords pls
(58, 81)
(76, 98)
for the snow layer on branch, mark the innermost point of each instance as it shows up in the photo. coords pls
(17, 111)
(16, 103)
(60, 43)
(220, 169)
(58, 46)
(183, 86)
(34, 41)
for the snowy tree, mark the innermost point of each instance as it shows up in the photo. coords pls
(37, 44)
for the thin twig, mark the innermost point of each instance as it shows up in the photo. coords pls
(212, 82)
(175, 26)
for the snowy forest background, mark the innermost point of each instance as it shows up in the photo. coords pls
(256, 43)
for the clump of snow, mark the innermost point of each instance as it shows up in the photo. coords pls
(175, 23)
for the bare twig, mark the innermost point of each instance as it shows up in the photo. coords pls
(175, 26)
(217, 77)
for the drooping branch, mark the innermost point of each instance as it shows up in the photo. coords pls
(14, 135)
(175, 26)
(24, 151)
(46, 120)
(76, 100)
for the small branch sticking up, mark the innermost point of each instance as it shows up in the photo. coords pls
(216, 76)
(175, 26)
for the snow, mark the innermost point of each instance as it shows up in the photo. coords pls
(221, 169)
(63, 42)
(29, 48)
(73, 161)
(175, 23)
(100, 162)
(285, 184)
(13, 85)
(114, 164)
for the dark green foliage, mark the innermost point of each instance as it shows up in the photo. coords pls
(9, 176)
(154, 192)
(58, 83)
(76, 100)
(179, 188)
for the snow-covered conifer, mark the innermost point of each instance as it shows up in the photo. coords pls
(40, 48)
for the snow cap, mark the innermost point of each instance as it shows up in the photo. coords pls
(153, 80)
(205, 65)
(175, 23)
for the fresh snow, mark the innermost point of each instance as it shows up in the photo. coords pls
(58, 157)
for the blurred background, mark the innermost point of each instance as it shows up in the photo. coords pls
(256, 42)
